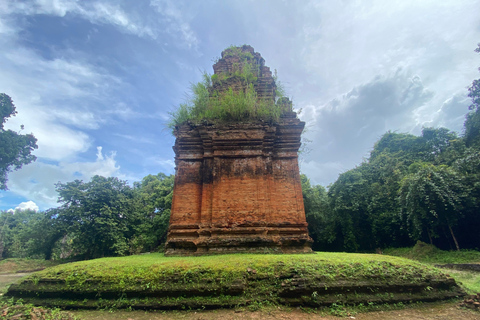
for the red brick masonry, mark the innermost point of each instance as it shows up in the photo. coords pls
(237, 189)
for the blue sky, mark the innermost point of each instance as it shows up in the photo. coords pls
(94, 80)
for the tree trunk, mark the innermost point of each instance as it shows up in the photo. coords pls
(454, 239)
(430, 237)
(448, 239)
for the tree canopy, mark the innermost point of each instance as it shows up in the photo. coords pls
(15, 148)
(472, 123)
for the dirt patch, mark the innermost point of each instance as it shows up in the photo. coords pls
(426, 311)
(8, 266)
(23, 265)
(9, 278)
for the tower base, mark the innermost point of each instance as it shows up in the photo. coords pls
(191, 240)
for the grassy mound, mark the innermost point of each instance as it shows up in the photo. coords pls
(155, 281)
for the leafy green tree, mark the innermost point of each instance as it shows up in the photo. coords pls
(431, 197)
(153, 201)
(472, 122)
(469, 167)
(27, 233)
(97, 214)
(441, 146)
(102, 217)
(46, 232)
(405, 148)
(15, 148)
(316, 211)
(383, 174)
(364, 204)
(349, 209)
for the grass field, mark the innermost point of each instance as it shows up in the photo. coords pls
(253, 280)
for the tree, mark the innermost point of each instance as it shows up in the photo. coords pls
(15, 148)
(98, 214)
(349, 209)
(441, 146)
(27, 233)
(383, 174)
(153, 201)
(316, 212)
(406, 148)
(469, 167)
(431, 198)
(472, 122)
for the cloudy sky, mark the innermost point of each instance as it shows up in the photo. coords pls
(94, 80)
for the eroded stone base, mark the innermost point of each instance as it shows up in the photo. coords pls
(187, 240)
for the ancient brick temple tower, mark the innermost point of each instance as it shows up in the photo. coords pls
(237, 185)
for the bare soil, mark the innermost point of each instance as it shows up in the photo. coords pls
(425, 311)
(9, 278)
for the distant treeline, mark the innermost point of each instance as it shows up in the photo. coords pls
(102, 217)
(411, 188)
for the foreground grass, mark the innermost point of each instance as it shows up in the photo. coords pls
(17, 310)
(253, 280)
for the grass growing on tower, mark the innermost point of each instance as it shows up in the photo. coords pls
(205, 103)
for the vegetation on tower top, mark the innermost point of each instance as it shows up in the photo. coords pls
(241, 89)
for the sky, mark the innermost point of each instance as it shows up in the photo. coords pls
(95, 80)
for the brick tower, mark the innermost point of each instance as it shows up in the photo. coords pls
(237, 184)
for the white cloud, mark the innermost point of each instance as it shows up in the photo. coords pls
(452, 112)
(341, 44)
(98, 12)
(56, 99)
(176, 21)
(378, 66)
(37, 181)
(166, 165)
(28, 205)
(323, 172)
(344, 130)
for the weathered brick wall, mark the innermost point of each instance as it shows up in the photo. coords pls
(237, 188)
